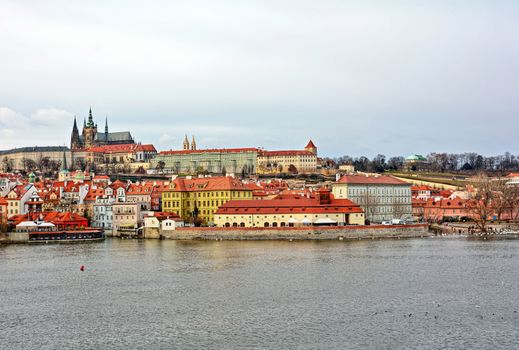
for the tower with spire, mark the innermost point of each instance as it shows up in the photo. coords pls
(185, 144)
(193, 144)
(89, 131)
(63, 171)
(75, 142)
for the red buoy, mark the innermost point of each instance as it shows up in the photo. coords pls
(82, 268)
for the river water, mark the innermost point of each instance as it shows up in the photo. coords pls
(422, 293)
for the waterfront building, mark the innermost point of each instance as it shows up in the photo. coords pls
(381, 197)
(103, 212)
(127, 217)
(157, 224)
(3, 213)
(289, 161)
(320, 208)
(212, 161)
(200, 197)
(446, 210)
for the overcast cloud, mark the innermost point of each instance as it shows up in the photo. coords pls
(358, 77)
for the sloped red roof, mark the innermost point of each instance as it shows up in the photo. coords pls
(286, 153)
(288, 206)
(310, 144)
(220, 183)
(215, 150)
(124, 148)
(375, 180)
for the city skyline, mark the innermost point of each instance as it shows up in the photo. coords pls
(357, 78)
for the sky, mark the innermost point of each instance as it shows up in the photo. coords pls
(357, 77)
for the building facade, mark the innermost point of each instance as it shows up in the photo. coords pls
(26, 158)
(200, 197)
(381, 197)
(212, 161)
(289, 161)
(318, 209)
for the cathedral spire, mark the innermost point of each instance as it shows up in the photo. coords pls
(185, 143)
(90, 119)
(106, 125)
(74, 128)
(193, 144)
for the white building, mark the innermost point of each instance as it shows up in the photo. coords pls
(103, 212)
(382, 197)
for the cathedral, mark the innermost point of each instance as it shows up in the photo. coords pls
(90, 137)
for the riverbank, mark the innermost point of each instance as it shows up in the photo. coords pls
(297, 233)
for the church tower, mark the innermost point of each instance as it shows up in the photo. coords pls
(75, 142)
(193, 144)
(89, 131)
(185, 144)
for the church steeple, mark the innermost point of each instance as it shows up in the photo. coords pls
(74, 128)
(106, 125)
(90, 119)
(193, 144)
(75, 143)
(64, 162)
(185, 144)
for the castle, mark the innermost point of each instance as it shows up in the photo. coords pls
(90, 137)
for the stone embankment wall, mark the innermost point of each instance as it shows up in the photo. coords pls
(298, 233)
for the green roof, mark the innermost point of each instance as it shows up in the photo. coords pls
(417, 157)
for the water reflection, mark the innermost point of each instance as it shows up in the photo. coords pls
(428, 293)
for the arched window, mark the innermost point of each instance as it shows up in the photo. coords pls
(242, 224)
(274, 224)
(234, 224)
(266, 224)
(282, 224)
(227, 224)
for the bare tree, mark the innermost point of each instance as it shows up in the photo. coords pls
(481, 205)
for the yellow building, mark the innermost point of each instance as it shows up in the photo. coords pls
(319, 209)
(201, 197)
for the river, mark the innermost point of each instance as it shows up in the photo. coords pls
(432, 293)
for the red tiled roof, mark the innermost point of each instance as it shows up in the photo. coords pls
(215, 150)
(421, 188)
(288, 206)
(221, 183)
(310, 144)
(286, 153)
(124, 148)
(94, 193)
(375, 180)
